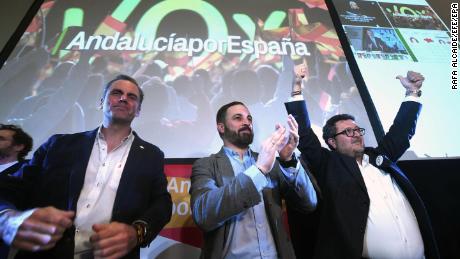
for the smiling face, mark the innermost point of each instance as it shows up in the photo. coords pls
(237, 126)
(121, 102)
(350, 146)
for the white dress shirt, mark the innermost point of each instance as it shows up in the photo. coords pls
(5, 166)
(392, 229)
(97, 197)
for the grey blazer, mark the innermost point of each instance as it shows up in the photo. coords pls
(217, 195)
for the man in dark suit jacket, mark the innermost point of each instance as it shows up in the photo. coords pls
(100, 193)
(15, 144)
(368, 208)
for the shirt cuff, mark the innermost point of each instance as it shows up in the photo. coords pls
(298, 97)
(412, 99)
(10, 223)
(257, 177)
(291, 172)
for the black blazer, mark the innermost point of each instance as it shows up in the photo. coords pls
(55, 177)
(345, 205)
(14, 168)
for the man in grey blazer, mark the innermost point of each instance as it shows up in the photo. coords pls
(236, 194)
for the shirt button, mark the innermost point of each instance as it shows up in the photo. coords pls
(259, 225)
(77, 230)
(87, 205)
(98, 184)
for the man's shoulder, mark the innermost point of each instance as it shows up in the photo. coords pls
(211, 158)
(207, 158)
(71, 136)
(146, 145)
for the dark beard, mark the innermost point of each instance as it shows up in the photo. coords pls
(239, 139)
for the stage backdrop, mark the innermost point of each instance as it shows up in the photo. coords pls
(190, 57)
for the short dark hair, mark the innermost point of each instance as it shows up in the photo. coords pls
(329, 130)
(20, 137)
(127, 78)
(222, 112)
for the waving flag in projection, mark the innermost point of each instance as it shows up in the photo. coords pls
(176, 58)
(116, 21)
(264, 59)
(271, 34)
(206, 62)
(325, 39)
(276, 34)
(37, 22)
(315, 4)
(300, 29)
(110, 26)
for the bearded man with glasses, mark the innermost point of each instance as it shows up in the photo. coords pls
(369, 209)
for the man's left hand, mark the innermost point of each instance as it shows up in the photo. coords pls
(300, 73)
(413, 81)
(113, 240)
(287, 151)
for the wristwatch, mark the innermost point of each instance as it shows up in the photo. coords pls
(141, 232)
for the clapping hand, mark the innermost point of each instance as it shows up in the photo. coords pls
(270, 146)
(292, 140)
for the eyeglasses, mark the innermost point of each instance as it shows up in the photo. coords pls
(349, 132)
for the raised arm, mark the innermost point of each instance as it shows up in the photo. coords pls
(309, 144)
(396, 141)
(295, 184)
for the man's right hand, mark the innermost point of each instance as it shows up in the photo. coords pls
(270, 146)
(42, 229)
(300, 72)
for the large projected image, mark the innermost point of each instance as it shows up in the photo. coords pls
(190, 57)
(411, 37)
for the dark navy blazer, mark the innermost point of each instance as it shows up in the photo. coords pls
(345, 203)
(55, 177)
